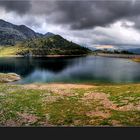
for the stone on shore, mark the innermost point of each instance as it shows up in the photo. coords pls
(9, 77)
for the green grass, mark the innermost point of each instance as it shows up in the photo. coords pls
(12, 50)
(21, 106)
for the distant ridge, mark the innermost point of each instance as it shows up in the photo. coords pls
(135, 50)
(49, 34)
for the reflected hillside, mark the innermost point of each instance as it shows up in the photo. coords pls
(25, 66)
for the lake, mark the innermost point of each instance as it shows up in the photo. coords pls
(93, 69)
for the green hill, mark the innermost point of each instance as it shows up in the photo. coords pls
(53, 45)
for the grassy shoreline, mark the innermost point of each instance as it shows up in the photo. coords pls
(36, 56)
(69, 105)
(119, 55)
(135, 58)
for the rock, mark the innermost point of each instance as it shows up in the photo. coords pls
(9, 77)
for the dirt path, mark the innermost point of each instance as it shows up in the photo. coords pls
(59, 86)
(108, 104)
(64, 89)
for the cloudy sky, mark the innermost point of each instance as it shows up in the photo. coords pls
(88, 23)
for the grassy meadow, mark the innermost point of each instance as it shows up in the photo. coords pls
(69, 105)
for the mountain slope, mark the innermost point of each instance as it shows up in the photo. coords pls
(54, 45)
(11, 34)
(49, 34)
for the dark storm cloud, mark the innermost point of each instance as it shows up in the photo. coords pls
(20, 7)
(85, 15)
(82, 21)
(78, 14)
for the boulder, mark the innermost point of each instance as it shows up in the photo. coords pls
(9, 77)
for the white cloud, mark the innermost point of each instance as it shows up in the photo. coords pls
(119, 34)
(116, 33)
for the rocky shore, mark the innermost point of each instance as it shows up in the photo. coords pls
(9, 77)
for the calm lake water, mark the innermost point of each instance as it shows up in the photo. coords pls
(73, 70)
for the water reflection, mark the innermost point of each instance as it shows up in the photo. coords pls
(25, 66)
(79, 69)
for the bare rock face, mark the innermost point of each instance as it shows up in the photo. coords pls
(9, 77)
